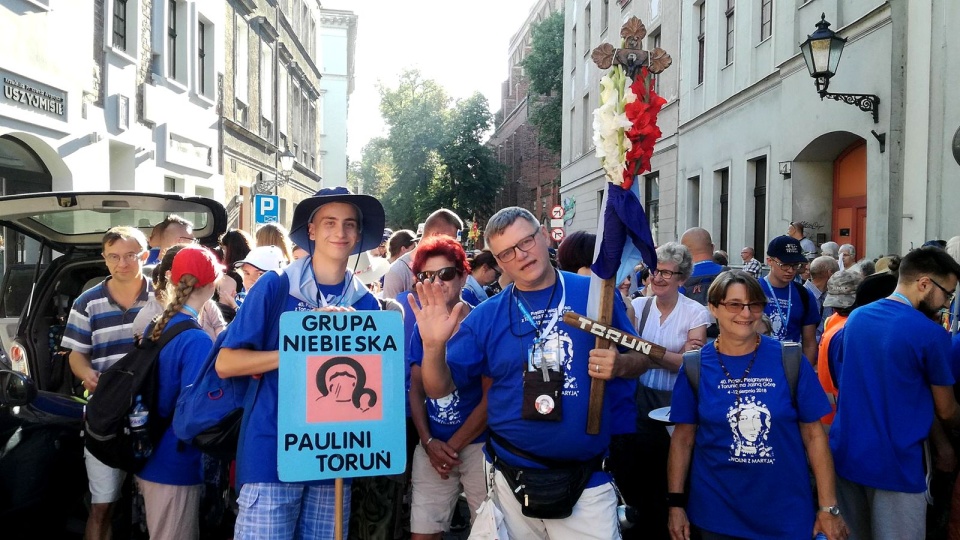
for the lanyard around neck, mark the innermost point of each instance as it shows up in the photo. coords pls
(556, 314)
(784, 322)
(904, 298)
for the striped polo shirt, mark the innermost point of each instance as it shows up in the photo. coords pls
(101, 328)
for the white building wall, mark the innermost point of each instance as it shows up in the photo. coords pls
(94, 145)
(581, 177)
(337, 36)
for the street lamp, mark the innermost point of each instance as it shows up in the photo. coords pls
(821, 52)
(284, 173)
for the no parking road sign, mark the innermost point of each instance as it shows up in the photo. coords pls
(266, 208)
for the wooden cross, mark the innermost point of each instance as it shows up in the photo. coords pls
(631, 56)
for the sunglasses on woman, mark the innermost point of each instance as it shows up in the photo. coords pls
(445, 274)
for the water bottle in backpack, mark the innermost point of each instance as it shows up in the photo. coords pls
(140, 436)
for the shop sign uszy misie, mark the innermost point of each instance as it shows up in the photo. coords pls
(34, 95)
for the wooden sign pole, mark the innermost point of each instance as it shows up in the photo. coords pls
(338, 510)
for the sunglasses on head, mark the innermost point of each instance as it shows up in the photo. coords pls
(445, 274)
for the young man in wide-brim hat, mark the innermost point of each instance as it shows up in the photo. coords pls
(330, 226)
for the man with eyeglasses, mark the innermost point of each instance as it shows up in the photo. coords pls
(793, 310)
(541, 370)
(99, 332)
(896, 380)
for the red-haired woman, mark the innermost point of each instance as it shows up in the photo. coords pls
(451, 428)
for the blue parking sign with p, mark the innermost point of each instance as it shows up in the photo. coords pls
(266, 208)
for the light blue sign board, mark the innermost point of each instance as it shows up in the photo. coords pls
(341, 405)
(266, 208)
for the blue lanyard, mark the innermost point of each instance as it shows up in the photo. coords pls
(553, 320)
(776, 302)
(904, 298)
(191, 311)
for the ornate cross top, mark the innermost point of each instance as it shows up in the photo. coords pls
(631, 56)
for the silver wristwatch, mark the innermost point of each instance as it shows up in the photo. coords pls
(833, 510)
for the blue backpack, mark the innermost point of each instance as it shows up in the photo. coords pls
(209, 411)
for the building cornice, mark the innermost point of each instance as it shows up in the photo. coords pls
(267, 29)
(245, 7)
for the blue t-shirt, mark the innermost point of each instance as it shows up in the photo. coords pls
(892, 354)
(409, 322)
(785, 304)
(172, 462)
(494, 340)
(257, 451)
(447, 414)
(955, 357)
(749, 475)
(470, 297)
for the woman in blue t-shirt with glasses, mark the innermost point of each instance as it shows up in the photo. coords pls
(752, 433)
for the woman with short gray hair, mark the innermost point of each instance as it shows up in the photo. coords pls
(679, 324)
(848, 256)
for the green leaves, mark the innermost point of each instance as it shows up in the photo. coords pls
(433, 156)
(544, 66)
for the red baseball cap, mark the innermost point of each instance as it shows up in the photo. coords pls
(197, 261)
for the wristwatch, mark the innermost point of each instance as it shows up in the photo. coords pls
(833, 510)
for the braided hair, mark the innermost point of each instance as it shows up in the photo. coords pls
(182, 293)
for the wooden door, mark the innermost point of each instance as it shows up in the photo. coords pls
(850, 197)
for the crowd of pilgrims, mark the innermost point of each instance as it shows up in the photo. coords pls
(801, 392)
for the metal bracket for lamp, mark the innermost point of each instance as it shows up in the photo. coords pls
(866, 102)
(284, 174)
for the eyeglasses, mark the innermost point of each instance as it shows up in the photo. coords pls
(524, 245)
(947, 293)
(665, 274)
(737, 307)
(445, 274)
(130, 258)
(187, 240)
(784, 266)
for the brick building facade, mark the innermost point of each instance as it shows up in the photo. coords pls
(532, 176)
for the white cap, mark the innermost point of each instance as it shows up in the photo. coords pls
(264, 258)
(368, 268)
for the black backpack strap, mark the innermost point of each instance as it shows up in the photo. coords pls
(792, 355)
(645, 314)
(691, 366)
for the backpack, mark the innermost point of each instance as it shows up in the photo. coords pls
(209, 411)
(791, 355)
(696, 287)
(106, 431)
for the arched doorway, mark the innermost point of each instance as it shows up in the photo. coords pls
(21, 171)
(850, 197)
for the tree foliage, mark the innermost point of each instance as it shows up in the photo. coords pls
(374, 173)
(544, 66)
(432, 157)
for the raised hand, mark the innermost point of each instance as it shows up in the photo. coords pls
(437, 322)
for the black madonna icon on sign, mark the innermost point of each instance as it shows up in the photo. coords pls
(342, 380)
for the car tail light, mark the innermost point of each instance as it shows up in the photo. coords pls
(18, 358)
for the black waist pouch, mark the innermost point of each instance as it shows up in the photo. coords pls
(549, 493)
